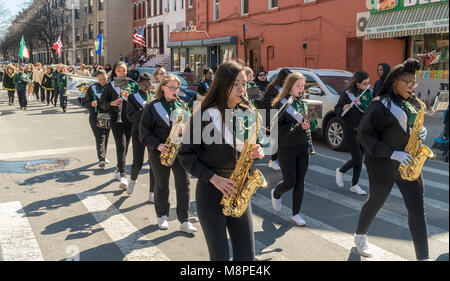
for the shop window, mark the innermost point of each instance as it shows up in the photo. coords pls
(432, 52)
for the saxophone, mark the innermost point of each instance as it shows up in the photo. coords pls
(173, 141)
(415, 148)
(235, 205)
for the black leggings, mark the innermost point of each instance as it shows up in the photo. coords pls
(215, 225)
(42, 95)
(11, 97)
(294, 161)
(36, 88)
(382, 176)
(122, 136)
(49, 92)
(357, 152)
(101, 138)
(138, 158)
(55, 95)
(162, 175)
(22, 98)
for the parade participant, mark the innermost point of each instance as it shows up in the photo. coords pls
(382, 71)
(47, 83)
(213, 162)
(61, 81)
(272, 90)
(154, 130)
(253, 92)
(114, 101)
(8, 82)
(37, 80)
(91, 102)
(21, 81)
(384, 133)
(134, 73)
(56, 86)
(158, 76)
(135, 107)
(292, 145)
(83, 71)
(204, 85)
(71, 69)
(29, 71)
(358, 85)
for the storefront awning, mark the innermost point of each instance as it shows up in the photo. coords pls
(423, 20)
(202, 43)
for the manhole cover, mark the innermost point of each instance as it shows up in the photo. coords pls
(32, 166)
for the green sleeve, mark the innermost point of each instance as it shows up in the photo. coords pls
(412, 113)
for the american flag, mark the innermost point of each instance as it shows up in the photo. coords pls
(138, 38)
(58, 46)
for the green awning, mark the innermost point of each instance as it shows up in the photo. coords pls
(424, 20)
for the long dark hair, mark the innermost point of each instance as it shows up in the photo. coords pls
(409, 66)
(119, 63)
(221, 86)
(280, 78)
(358, 77)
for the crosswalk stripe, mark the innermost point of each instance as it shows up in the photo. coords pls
(386, 215)
(428, 182)
(124, 234)
(436, 171)
(325, 231)
(395, 192)
(17, 240)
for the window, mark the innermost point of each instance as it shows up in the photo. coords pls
(101, 5)
(182, 4)
(216, 10)
(91, 56)
(174, 5)
(139, 11)
(77, 14)
(100, 27)
(85, 35)
(77, 36)
(244, 7)
(155, 11)
(273, 4)
(91, 6)
(134, 12)
(191, 3)
(91, 31)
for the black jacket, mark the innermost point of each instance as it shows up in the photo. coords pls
(109, 95)
(353, 116)
(287, 135)
(135, 109)
(379, 84)
(89, 98)
(262, 85)
(203, 87)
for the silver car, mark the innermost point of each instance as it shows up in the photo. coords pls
(324, 85)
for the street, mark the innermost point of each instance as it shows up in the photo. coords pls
(71, 210)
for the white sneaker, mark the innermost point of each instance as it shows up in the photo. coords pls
(117, 175)
(298, 220)
(130, 187)
(101, 165)
(274, 165)
(187, 227)
(162, 223)
(276, 203)
(106, 161)
(362, 245)
(357, 189)
(339, 178)
(151, 197)
(123, 183)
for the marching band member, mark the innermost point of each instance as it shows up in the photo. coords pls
(8, 82)
(358, 85)
(114, 101)
(29, 71)
(135, 107)
(56, 86)
(91, 102)
(158, 76)
(61, 81)
(154, 129)
(47, 83)
(292, 145)
(213, 162)
(21, 81)
(384, 133)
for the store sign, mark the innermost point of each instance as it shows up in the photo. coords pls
(379, 6)
(408, 26)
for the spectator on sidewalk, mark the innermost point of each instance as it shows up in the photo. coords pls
(382, 71)
(134, 73)
(204, 85)
(261, 81)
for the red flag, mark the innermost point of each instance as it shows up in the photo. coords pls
(58, 47)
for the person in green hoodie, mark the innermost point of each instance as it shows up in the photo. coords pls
(47, 83)
(8, 83)
(61, 82)
(56, 91)
(21, 81)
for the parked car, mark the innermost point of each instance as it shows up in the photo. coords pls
(149, 70)
(325, 85)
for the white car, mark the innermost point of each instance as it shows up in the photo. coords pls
(324, 85)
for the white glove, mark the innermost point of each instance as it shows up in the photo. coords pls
(423, 134)
(404, 158)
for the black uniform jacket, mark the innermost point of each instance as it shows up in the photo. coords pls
(109, 95)
(289, 133)
(353, 116)
(135, 109)
(89, 98)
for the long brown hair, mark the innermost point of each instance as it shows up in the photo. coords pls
(170, 77)
(289, 82)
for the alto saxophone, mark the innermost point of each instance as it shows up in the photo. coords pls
(419, 151)
(173, 141)
(235, 205)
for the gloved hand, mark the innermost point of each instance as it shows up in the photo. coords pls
(404, 158)
(423, 134)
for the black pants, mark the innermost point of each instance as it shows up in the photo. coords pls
(22, 98)
(294, 161)
(215, 225)
(138, 158)
(36, 88)
(357, 152)
(274, 157)
(55, 95)
(122, 136)
(383, 173)
(162, 174)
(52, 93)
(42, 94)
(11, 97)
(101, 138)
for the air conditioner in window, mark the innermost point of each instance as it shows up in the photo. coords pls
(362, 19)
(183, 29)
(192, 28)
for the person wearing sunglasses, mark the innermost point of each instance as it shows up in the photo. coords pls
(384, 132)
(203, 87)
(261, 80)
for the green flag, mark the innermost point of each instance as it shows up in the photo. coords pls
(23, 51)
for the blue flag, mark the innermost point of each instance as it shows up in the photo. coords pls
(99, 44)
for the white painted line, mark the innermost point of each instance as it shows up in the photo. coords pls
(325, 231)
(436, 171)
(17, 239)
(125, 235)
(428, 182)
(395, 192)
(45, 152)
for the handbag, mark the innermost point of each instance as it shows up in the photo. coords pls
(104, 120)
